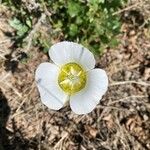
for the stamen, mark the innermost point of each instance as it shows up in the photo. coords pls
(72, 78)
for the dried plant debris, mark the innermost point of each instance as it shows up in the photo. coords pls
(120, 122)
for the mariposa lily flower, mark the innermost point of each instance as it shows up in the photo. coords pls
(71, 78)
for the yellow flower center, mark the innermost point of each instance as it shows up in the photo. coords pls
(72, 78)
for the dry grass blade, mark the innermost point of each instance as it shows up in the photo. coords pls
(130, 82)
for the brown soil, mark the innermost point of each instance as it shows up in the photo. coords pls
(120, 122)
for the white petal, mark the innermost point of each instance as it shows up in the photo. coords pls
(51, 94)
(86, 100)
(65, 52)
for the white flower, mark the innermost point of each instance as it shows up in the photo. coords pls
(71, 78)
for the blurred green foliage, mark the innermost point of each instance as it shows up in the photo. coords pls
(89, 22)
(20, 27)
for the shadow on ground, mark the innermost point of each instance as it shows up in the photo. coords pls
(12, 139)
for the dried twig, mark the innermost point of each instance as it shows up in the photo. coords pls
(127, 98)
(127, 8)
(60, 141)
(31, 34)
(130, 82)
(5, 76)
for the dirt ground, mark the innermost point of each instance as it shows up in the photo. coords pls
(120, 122)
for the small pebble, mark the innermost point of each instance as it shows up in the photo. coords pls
(148, 145)
(138, 107)
(132, 32)
(143, 108)
(145, 117)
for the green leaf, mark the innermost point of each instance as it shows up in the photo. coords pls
(73, 29)
(79, 20)
(21, 28)
(74, 8)
(45, 50)
(28, 22)
(15, 23)
(114, 42)
(96, 1)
